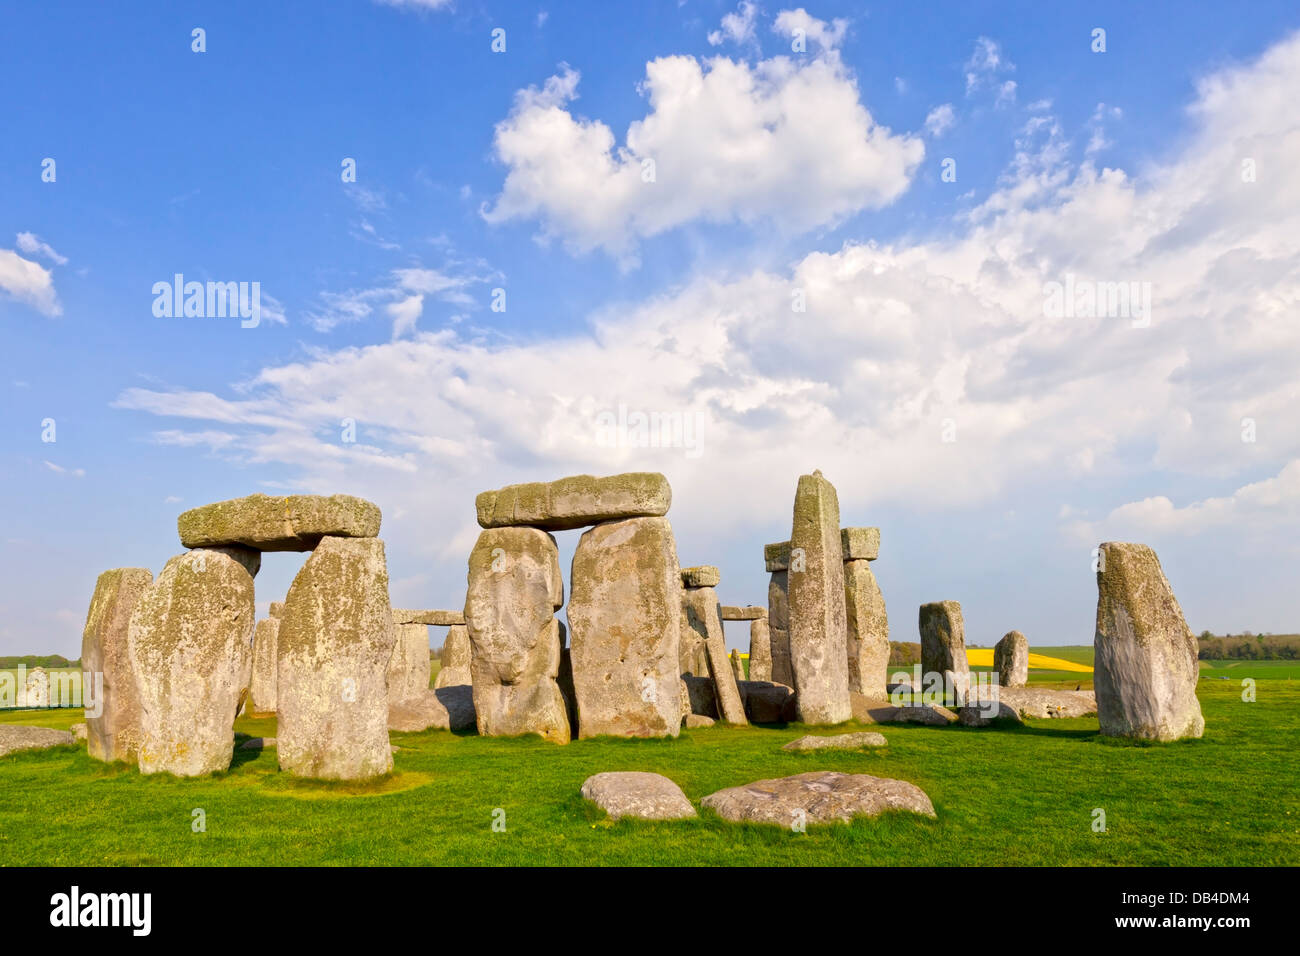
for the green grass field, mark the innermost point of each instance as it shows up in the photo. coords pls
(1021, 796)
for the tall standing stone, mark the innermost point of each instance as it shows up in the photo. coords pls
(1145, 661)
(266, 652)
(737, 668)
(818, 625)
(1011, 659)
(778, 620)
(625, 614)
(114, 734)
(514, 591)
(336, 639)
(943, 643)
(454, 664)
(760, 650)
(703, 618)
(189, 645)
(868, 630)
(408, 668)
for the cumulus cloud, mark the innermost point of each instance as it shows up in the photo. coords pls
(738, 27)
(29, 282)
(901, 346)
(939, 120)
(785, 141)
(800, 23)
(33, 245)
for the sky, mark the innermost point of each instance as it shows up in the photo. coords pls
(1018, 278)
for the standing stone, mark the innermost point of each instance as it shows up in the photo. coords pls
(266, 653)
(36, 691)
(1011, 659)
(868, 630)
(189, 647)
(818, 625)
(408, 668)
(778, 620)
(1145, 662)
(454, 668)
(760, 650)
(277, 609)
(702, 617)
(625, 613)
(737, 667)
(943, 643)
(514, 591)
(114, 734)
(336, 639)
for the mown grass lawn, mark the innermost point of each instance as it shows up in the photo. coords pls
(1022, 796)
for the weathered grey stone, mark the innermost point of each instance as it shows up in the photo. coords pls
(767, 702)
(871, 710)
(1145, 668)
(699, 696)
(575, 502)
(189, 644)
(983, 713)
(444, 708)
(456, 656)
(408, 667)
(737, 666)
(692, 654)
(760, 650)
(868, 629)
(1011, 659)
(820, 796)
(277, 609)
(249, 558)
(625, 613)
(776, 557)
(514, 590)
(16, 737)
(858, 741)
(115, 733)
(432, 618)
(943, 642)
(700, 612)
(275, 523)
(731, 612)
(778, 621)
(644, 796)
(697, 721)
(818, 624)
(336, 639)
(565, 681)
(702, 576)
(860, 544)
(79, 732)
(266, 658)
(1045, 702)
(257, 743)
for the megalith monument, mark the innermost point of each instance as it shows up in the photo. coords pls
(1146, 655)
(818, 627)
(776, 558)
(113, 734)
(409, 667)
(336, 640)
(943, 645)
(702, 618)
(515, 588)
(1011, 659)
(867, 622)
(760, 650)
(266, 650)
(189, 647)
(454, 663)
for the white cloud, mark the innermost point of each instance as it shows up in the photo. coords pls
(986, 61)
(416, 4)
(28, 282)
(405, 313)
(824, 36)
(738, 27)
(402, 297)
(60, 470)
(785, 141)
(32, 245)
(939, 120)
(897, 338)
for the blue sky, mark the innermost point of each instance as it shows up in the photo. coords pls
(776, 171)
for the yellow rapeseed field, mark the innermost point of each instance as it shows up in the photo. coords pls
(983, 657)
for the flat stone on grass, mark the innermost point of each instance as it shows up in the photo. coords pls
(858, 741)
(819, 796)
(14, 737)
(645, 796)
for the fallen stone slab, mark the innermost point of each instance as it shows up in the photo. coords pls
(15, 737)
(644, 796)
(278, 523)
(702, 576)
(1045, 702)
(575, 502)
(869, 710)
(1145, 665)
(731, 612)
(768, 702)
(443, 708)
(434, 618)
(696, 721)
(987, 713)
(858, 741)
(860, 544)
(820, 796)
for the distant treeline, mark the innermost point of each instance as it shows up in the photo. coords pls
(904, 654)
(1250, 647)
(35, 660)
